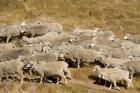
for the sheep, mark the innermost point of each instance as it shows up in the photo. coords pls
(113, 75)
(111, 41)
(80, 55)
(133, 48)
(111, 62)
(35, 48)
(132, 38)
(133, 67)
(6, 47)
(13, 54)
(12, 68)
(48, 57)
(11, 31)
(55, 69)
(42, 29)
(120, 53)
(51, 37)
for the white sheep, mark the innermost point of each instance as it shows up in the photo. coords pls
(111, 62)
(45, 69)
(42, 29)
(12, 68)
(113, 75)
(133, 67)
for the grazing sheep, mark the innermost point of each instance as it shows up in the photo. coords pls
(54, 69)
(14, 54)
(51, 37)
(111, 62)
(80, 55)
(120, 53)
(132, 38)
(6, 47)
(10, 32)
(133, 48)
(133, 67)
(111, 41)
(47, 57)
(12, 68)
(42, 29)
(113, 75)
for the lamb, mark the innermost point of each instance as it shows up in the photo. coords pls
(11, 32)
(132, 38)
(55, 69)
(12, 68)
(42, 29)
(111, 62)
(133, 67)
(113, 75)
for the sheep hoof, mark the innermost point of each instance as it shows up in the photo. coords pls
(57, 82)
(117, 88)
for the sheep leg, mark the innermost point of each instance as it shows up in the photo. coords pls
(58, 80)
(129, 83)
(41, 80)
(116, 85)
(22, 79)
(8, 38)
(105, 83)
(65, 79)
(68, 74)
(99, 80)
(19, 72)
(110, 86)
(78, 63)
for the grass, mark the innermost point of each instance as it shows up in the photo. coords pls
(120, 16)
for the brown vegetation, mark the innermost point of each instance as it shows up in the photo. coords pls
(120, 16)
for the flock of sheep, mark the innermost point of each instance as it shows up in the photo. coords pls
(47, 52)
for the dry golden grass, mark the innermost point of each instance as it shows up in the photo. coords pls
(120, 16)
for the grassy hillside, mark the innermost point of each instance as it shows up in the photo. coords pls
(120, 16)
